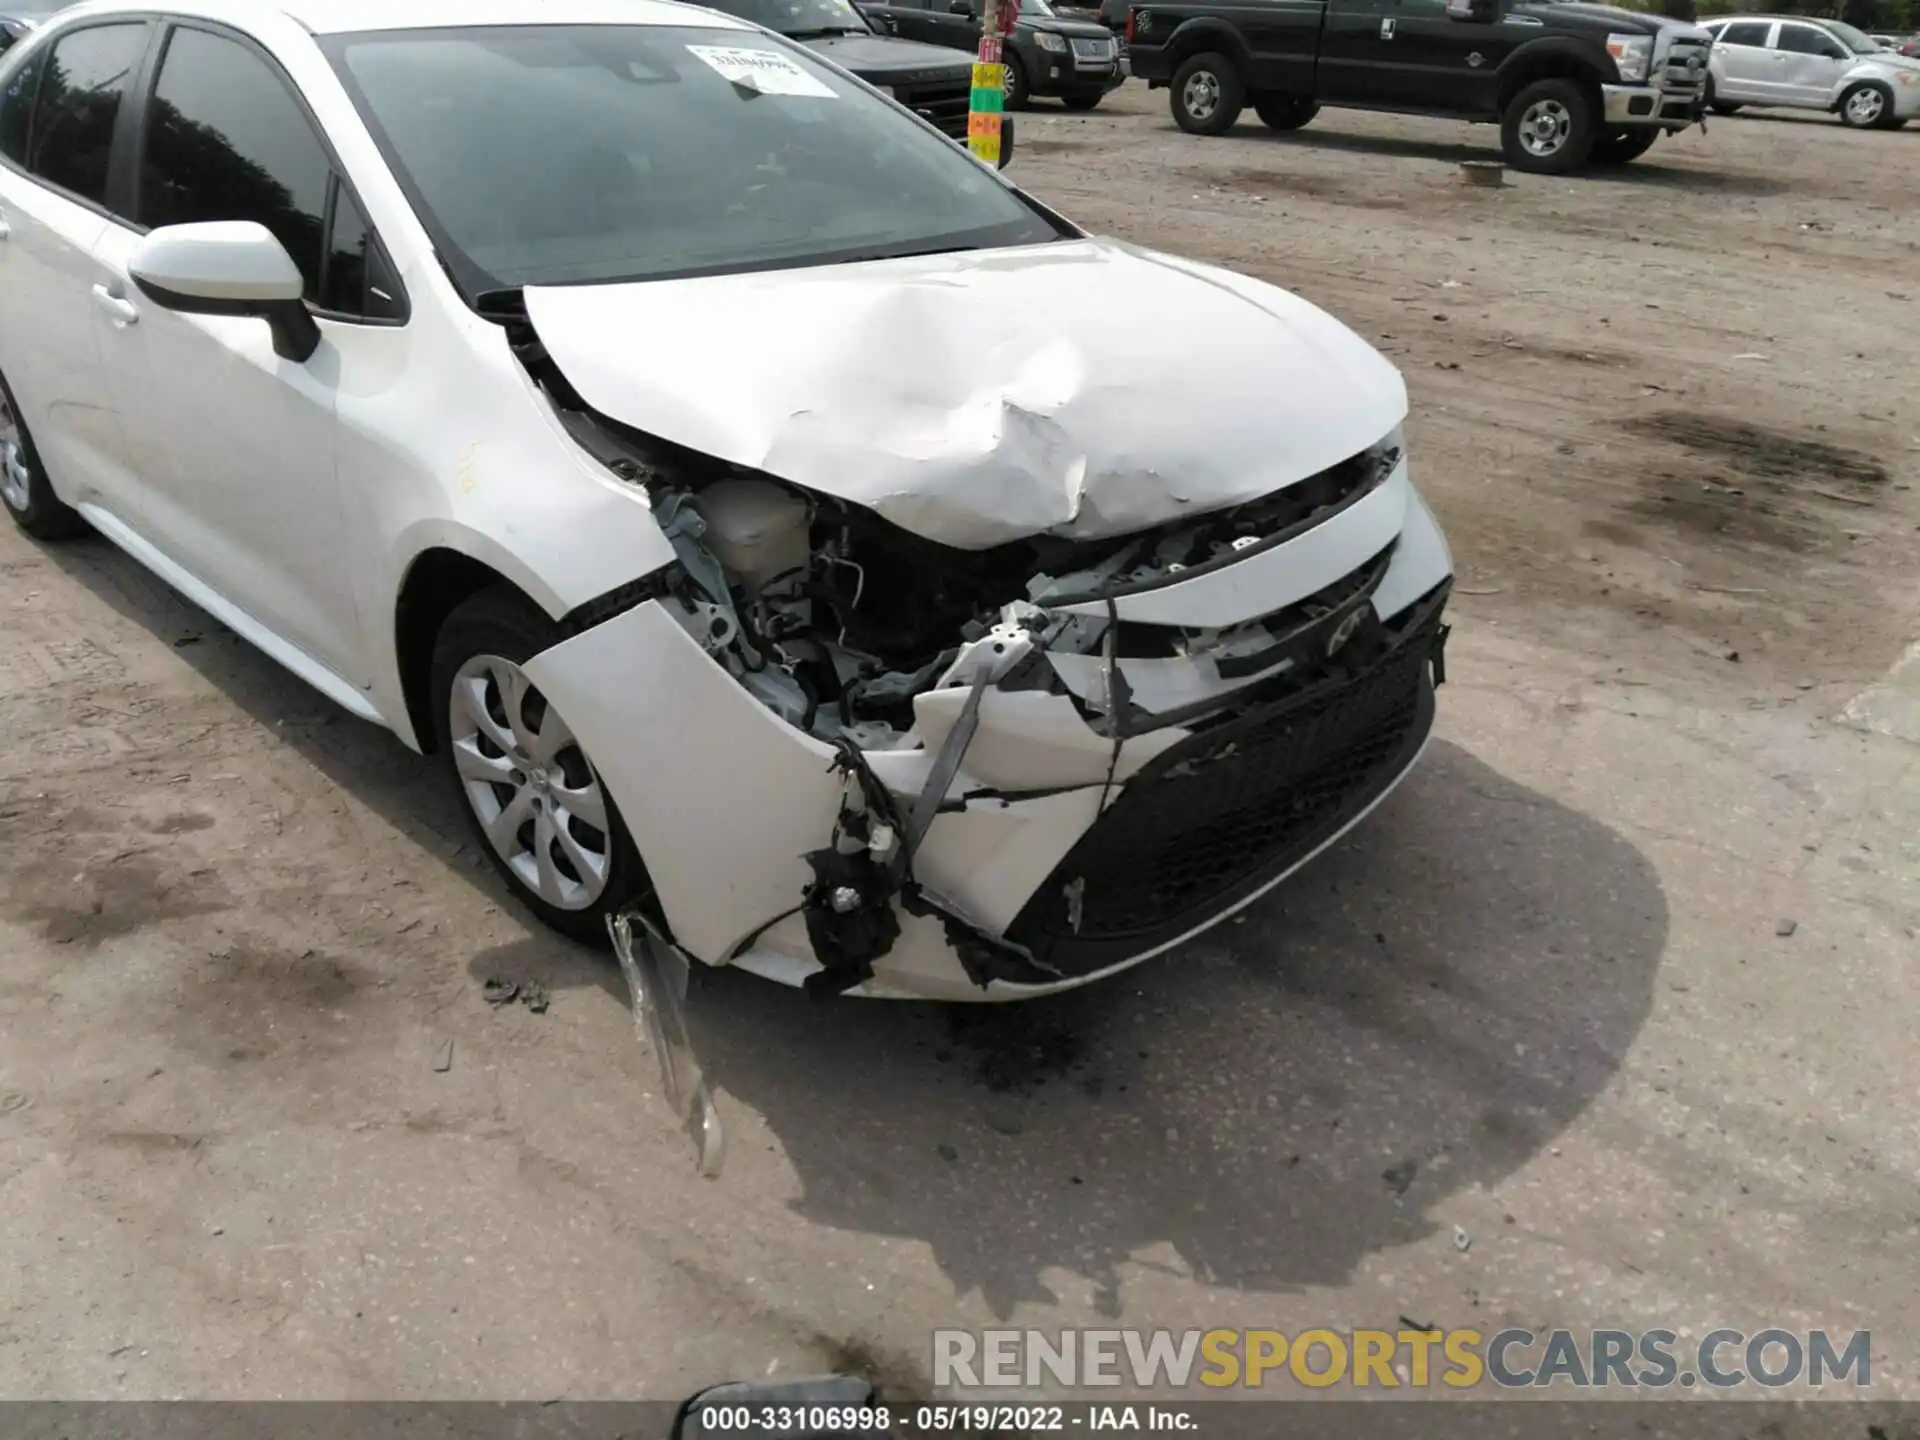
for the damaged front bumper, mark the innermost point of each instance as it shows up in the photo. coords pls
(1144, 792)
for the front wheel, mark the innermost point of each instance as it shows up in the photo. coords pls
(1867, 106)
(23, 480)
(1285, 112)
(1548, 128)
(1719, 106)
(1083, 102)
(1617, 147)
(1207, 94)
(1014, 94)
(536, 804)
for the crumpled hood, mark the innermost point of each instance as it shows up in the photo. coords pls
(1083, 388)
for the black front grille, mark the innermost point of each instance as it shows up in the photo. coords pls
(1226, 810)
(943, 102)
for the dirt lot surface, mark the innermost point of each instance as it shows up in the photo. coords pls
(1528, 1048)
(1648, 397)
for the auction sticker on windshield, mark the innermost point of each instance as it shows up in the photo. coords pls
(767, 71)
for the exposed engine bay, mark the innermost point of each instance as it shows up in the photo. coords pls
(836, 619)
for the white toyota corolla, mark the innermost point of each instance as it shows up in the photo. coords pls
(776, 521)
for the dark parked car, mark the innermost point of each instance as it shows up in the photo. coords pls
(933, 82)
(1078, 60)
(1567, 83)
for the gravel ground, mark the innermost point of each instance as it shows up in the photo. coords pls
(1539, 999)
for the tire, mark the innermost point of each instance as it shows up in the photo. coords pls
(1721, 107)
(1619, 147)
(1082, 102)
(481, 648)
(1867, 106)
(1015, 95)
(1548, 128)
(23, 480)
(1207, 94)
(1285, 112)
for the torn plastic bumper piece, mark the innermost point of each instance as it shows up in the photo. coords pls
(1216, 819)
(656, 972)
(849, 906)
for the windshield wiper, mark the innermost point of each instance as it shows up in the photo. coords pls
(827, 32)
(865, 255)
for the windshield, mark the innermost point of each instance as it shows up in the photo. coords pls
(802, 19)
(1858, 41)
(548, 155)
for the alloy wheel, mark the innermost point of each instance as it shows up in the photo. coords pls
(1864, 106)
(538, 801)
(16, 479)
(1201, 95)
(1544, 128)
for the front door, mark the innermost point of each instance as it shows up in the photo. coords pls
(1444, 62)
(1410, 54)
(237, 445)
(1811, 63)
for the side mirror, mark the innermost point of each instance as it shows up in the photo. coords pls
(227, 267)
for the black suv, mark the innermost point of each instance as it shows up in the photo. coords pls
(934, 83)
(1568, 83)
(1047, 54)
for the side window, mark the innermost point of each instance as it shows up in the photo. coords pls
(16, 106)
(81, 86)
(1746, 32)
(225, 141)
(1805, 40)
(354, 278)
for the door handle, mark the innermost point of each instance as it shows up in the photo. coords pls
(6, 230)
(123, 310)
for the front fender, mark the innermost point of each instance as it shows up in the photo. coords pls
(1551, 54)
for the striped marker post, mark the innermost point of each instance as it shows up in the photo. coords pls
(989, 95)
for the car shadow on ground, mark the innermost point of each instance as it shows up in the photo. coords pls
(1416, 1014)
(1646, 171)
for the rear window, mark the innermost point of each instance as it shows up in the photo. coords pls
(564, 154)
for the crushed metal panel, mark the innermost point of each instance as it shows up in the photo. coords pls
(1022, 411)
(1275, 577)
(721, 796)
(1028, 740)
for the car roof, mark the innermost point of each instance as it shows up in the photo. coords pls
(332, 17)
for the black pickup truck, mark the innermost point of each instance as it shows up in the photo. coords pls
(1568, 83)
